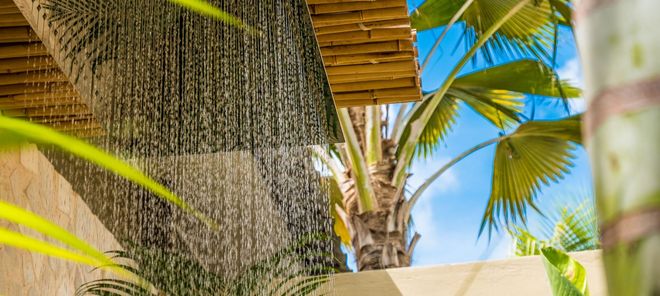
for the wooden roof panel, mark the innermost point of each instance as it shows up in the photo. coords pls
(32, 86)
(368, 50)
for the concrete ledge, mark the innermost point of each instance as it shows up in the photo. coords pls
(522, 276)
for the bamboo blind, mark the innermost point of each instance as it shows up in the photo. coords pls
(368, 51)
(32, 86)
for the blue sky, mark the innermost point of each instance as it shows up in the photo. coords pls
(448, 215)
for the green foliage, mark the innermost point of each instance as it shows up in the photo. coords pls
(570, 228)
(78, 252)
(170, 273)
(532, 31)
(536, 153)
(495, 93)
(205, 8)
(567, 276)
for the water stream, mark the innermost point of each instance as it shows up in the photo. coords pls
(220, 116)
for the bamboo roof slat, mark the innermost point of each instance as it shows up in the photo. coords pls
(32, 86)
(368, 50)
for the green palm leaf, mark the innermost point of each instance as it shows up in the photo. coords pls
(494, 93)
(531, 31)
(567, 276)
(569, 228)
(535, 154)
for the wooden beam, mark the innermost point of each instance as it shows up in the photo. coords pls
(395, 23)
(18, 65)
(369, 58)
(41, 102)
(354, 6)
(394, 93)
(333, 79)
(405, 66)
(17, 34)
(378, 84)
(13, 20)
(367, 36)
(23, 50)
(49, 111)
(55, 119)
(32, 77)
(376, 47)
(355, 17)
(17, 89)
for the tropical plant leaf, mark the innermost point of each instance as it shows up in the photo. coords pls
(495, 93)
(522, 76)
(530, 32)
(567, 276)
(336, 199)
(25, 218)
(205, 8)
(20, 241)
(570, 228)
(44, 135)
(536, 153)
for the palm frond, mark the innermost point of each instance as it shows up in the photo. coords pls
(569, 228)
(535, 154)
(530, 32)
(495, 93)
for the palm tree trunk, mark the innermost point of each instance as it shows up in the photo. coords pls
(619, 43)
(379, 236)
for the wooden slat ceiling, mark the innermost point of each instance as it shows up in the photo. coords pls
(32, 86)
(368, 51)
(367, 48)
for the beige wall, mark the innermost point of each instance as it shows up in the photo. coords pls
(523, 276)
(28, 180)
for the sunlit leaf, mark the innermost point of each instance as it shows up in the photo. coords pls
(530, 32)
(20, 241)
(537, 153)
(567, 276)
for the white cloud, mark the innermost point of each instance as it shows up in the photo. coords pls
(572, 72)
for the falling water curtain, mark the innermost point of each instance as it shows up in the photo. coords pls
(219, 113)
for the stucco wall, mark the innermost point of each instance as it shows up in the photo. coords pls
(28, 180)
(523, 276)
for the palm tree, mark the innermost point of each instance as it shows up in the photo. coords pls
(621, 132)
(370, 169)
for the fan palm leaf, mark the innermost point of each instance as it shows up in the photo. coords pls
(495, 93)
(570, 228)
(531, 32)
(535, 154)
